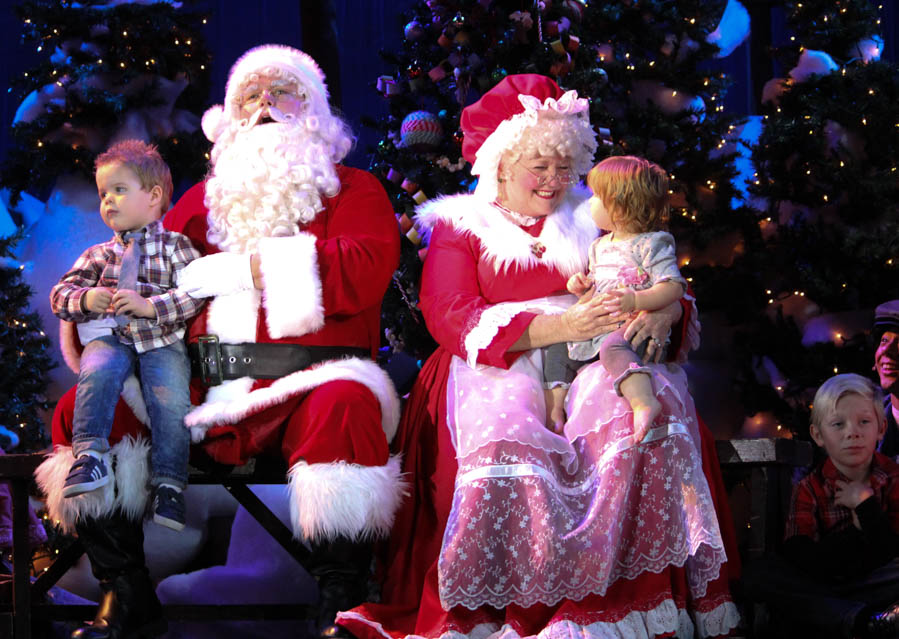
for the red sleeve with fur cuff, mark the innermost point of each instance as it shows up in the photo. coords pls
(452, 301)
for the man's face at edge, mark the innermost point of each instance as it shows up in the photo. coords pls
(886, 362)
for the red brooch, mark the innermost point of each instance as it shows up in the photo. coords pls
(538, 249)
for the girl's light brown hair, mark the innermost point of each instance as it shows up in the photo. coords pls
(146, 163)
(633, 190)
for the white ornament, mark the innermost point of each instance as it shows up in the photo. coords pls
(732, 30)
(868, 49)
(811, 63)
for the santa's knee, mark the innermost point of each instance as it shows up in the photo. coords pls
(338, 422)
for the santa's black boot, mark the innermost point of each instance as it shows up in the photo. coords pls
(128, 605)
(342, 568)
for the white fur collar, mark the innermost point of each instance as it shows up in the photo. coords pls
(567, 233)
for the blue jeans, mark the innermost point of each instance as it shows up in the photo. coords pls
(164, 375)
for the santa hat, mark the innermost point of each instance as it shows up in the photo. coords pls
(292, 61)
(497, 121)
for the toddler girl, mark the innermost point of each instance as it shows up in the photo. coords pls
(634, 266)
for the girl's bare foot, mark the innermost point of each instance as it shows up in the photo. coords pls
(644, 415)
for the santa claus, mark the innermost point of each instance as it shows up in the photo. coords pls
(298, 251)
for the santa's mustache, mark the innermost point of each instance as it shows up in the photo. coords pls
(273, 112)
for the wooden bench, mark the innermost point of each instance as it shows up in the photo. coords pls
(758, 474)
(16, 618)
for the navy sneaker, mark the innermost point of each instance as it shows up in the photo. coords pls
(87, 473)
(168, 508)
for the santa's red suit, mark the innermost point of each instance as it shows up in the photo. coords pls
(297, 254)
(332, 422)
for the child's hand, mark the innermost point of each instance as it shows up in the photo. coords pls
(851, 493)
(621, 300)
(579, 283)
(98, 299)
(131, 303)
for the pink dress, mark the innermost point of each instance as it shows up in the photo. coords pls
(513, 530)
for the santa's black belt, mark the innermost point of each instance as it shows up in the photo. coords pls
(214, 362)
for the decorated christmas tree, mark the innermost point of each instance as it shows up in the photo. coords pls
(24, 359)
(646, 68)
(828, 197)
(113, 70)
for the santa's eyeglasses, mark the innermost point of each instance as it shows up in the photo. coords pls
(256, 93)
(544, 177)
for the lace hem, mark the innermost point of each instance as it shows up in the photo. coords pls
(524, 529)
(677, 557)
(664, 618)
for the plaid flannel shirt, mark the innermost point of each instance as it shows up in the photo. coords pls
(813, 513)
(163, 255)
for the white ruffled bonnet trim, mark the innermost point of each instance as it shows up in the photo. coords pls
(510, 132)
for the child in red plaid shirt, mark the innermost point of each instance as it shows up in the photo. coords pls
(132, 278)
(840, 573)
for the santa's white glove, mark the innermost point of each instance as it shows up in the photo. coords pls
(217, 274)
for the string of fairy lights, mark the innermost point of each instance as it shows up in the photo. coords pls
(99, 61)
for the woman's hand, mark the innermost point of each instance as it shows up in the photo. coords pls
(588, 318)
(655, 326)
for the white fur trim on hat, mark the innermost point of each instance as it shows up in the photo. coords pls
(285, 58)
(292, 293)
(127, 490)
(340, 499)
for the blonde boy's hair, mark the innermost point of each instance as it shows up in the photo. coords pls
(837, 387)
(633, 190)
(149, 167)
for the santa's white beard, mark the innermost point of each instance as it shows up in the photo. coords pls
(266, 182)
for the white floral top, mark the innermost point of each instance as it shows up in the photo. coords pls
(638, 262)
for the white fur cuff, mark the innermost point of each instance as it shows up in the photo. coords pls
(292, 286)
(127, 491)
(340, 499)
